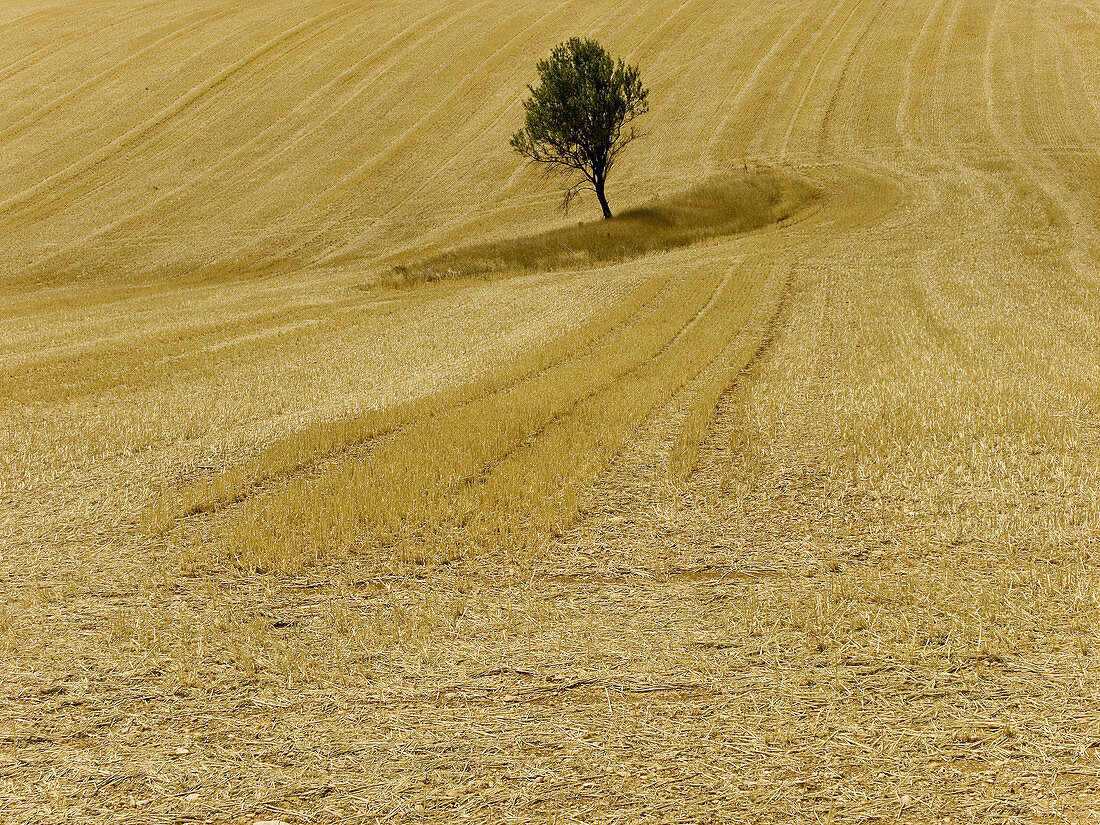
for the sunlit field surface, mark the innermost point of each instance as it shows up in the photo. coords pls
(309, 514)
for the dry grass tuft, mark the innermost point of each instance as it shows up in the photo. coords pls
(722, 206)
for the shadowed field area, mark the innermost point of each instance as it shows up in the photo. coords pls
(751, 200)
(796, 524)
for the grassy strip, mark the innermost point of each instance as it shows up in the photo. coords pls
(335, 440)
(395, 475)
(719, 207)
(396, 494)
(502, 473)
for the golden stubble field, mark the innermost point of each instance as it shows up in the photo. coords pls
(797, 525)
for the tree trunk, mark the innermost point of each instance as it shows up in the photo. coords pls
(602, 199)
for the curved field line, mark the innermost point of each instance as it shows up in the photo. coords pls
(721, 290)
(997, 131)
(395, 145)
(1041, 127)
(9, 205)
(733, 107)
(763, 140)
(766, 140)
(926, 41)
(836, 83)
(771, 330)
(928, 59)
(229, 161)
(490, 120)
(529, 439)
(811, 81)
(767, 113)
(937, 79)
(1085, 94)
(1066, 110)
(1022, 151)
(269, 481)
(1070, 155)
(32, 117)
(627, 484)
(936, 143)
(717, 69)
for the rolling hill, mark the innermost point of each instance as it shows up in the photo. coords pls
(795, 524)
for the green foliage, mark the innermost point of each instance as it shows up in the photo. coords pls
(576, 117)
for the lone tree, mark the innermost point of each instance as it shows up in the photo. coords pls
(577, 114)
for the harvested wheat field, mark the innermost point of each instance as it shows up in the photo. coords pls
(337, 486)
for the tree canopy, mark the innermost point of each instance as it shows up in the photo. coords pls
(577, 118)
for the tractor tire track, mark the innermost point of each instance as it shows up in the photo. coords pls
(354, 448)
(55, 103)
(386, 154)
(31, 194)
(231, 161)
